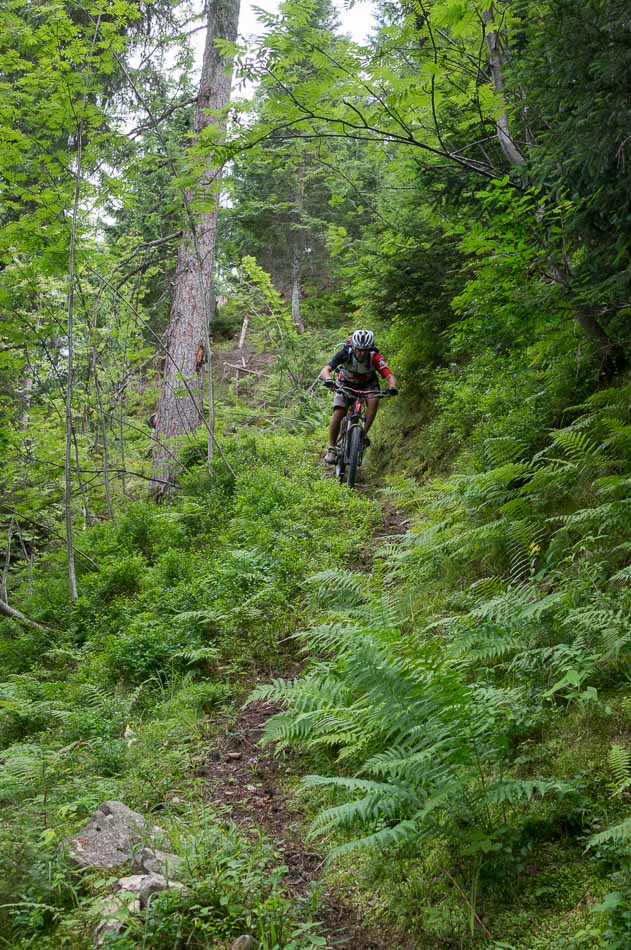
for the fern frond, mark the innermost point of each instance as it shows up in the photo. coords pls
(623, 575)
(504, 449)
(619, 761)
(339, 588)
(520, 791)
(616, 834)
(195, 655)
(577, 446)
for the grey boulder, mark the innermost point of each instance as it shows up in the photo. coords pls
(154, 861)
(112, 837)
(146, 885)
(245, 942)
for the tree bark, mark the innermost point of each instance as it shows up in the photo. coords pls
(244, 330)
(27, 395)
(72, 574)
(103, 425)
(20, 617)
(188, 337)
(496, 64)
(296, 284)
(298, 247)
(612, 357)
(7, 561)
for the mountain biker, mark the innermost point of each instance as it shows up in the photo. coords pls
(357, 365)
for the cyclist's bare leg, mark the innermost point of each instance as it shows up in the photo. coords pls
(334, 425)
(371, 411)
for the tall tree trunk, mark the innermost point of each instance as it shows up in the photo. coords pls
(103, 425)
(72, 573)
(296, 285)
(28, 381)
(496, 64)
(298, 247)
(188, 337)
(612, 357)
(7, 561)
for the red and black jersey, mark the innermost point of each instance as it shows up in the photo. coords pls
(359, 372)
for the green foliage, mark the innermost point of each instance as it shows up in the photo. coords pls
(465, 704)
(502, 610)
(113, 704)
(234, 886)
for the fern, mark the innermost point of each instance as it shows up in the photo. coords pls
(622, 575)
(502, 450)
(521, 791)
(507, 595)
(336, 588)
(616, 834)
(195, 655)
(577, 446)
(619, 761)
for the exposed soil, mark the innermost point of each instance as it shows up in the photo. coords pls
(253, 785)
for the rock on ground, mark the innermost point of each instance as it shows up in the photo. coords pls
(154, 861)
(110, 923)
(245, 942)
(146, 885)
(112, 837)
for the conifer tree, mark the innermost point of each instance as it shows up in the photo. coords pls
(187, 351)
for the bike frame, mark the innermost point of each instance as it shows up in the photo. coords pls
(358, 400)
(354, 418)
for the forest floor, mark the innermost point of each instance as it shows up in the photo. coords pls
(257, 789)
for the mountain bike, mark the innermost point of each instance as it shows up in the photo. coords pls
(350, 442)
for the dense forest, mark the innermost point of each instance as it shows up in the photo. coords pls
(394, 716)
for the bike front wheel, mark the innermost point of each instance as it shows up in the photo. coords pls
(355, 447)
(340, 465)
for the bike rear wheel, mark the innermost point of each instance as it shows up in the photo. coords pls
(355, 446)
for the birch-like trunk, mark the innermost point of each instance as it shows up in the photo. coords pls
(298, 248)
(72, 574)
(496, 65)
(17, 615)
(612, 358)
(296, 284)
(28, 381)
(188, 337)
(103, 425)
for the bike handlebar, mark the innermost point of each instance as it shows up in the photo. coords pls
(348, 391)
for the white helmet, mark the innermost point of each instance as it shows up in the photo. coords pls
(362, 339)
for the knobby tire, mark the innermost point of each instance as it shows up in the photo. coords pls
(355, 445)
(340, 465)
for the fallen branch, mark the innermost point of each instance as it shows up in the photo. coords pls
(242, 369)
(20, 617)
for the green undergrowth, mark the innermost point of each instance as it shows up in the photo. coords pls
(468, 706)
(178, 606)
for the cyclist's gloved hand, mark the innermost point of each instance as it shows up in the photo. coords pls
(392, 391)
(329, 383)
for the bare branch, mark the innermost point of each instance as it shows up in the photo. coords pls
(20, 617)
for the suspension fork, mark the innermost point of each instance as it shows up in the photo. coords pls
(354, 419)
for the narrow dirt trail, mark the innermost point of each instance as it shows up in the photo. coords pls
(253, 785)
